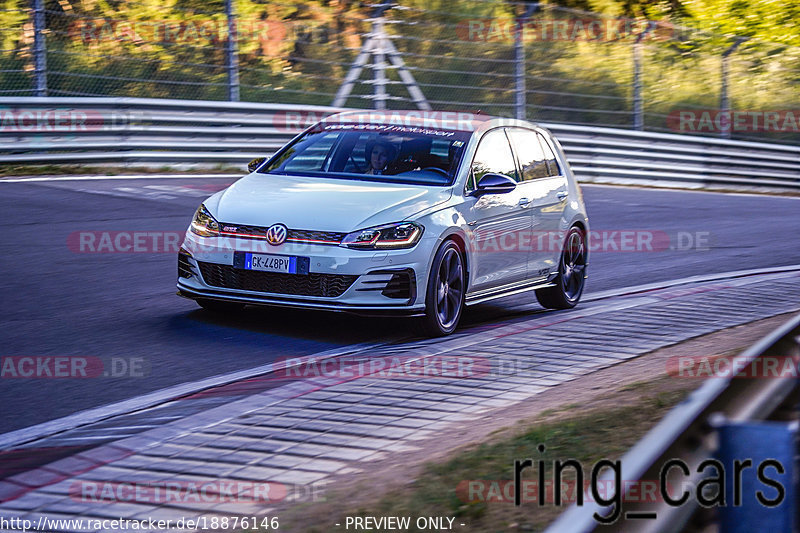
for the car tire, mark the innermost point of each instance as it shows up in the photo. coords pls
(571, 277)
(219, 307)
(444, 300)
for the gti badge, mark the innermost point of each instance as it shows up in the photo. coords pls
(276, 234)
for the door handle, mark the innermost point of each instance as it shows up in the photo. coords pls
(562, 194)
(524, 202)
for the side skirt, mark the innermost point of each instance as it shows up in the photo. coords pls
(507, 290)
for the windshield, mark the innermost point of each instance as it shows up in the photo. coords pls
(375, 152)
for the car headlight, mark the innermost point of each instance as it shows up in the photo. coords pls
(387, 237)
(204, 224)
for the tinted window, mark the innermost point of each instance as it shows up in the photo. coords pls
(529, 151)
(550, 157)
(376, 152)
(493, 155)
(357, 160)
(310, 156)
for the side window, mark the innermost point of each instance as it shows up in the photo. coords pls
(493, 155)
(529, 151)
(550, 157)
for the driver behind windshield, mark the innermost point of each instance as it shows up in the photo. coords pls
(378, 157)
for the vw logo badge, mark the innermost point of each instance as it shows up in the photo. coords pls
(276, 234)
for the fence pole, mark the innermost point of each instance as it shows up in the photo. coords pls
(39, 49)
(519, 63)
(638, 111)
(519, 71)
(724, 99)
(638, 102)
(230, 53)
(379, 64)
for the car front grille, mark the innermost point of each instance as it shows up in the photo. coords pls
(313, 284)
(302, 235)
(292, 235)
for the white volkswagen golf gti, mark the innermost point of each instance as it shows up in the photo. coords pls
(407, 213)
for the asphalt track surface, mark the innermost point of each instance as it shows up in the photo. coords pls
(58, 302)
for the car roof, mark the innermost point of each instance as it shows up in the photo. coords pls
(446, 120)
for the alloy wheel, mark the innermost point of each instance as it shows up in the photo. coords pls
(449, 288)
(573, 265)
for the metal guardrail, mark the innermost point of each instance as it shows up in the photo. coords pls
(688, 433)
(130, 130)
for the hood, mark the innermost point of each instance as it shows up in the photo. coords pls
(322, 204)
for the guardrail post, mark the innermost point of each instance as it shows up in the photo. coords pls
(230, 53)
(724, 100)
(771, 449)
(39, 49)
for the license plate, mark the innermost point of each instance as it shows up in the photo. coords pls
(287, 264)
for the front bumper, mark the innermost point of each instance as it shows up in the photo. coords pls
(339, 279)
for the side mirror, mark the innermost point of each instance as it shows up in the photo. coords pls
(255, 163)
(492, 183)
